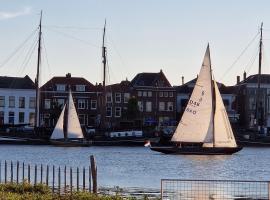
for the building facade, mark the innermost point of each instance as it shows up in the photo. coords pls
(17, 100)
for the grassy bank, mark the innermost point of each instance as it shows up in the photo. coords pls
(27, 191)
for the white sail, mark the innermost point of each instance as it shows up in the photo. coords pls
(222, 129)
(58, 132)
(196, 125)
(74, 129)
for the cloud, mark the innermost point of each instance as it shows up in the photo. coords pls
(9, 14)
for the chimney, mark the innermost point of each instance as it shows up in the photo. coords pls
(238, 79)
(244, 75)
(68, 75)
(183, 80)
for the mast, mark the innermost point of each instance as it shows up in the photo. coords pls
(37, 75)
(259, 79)
(104, 62)
(213, 98)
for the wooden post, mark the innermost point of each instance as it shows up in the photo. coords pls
(65, 178)
(47, 175)
(29, 174)
(94, 173)
(5, 171)
(0, 172)
(78, 179)
(11, 172)
(89, 179)
(83, 178)
(35, 178)
(23, 172)
(70, 176)
(18, 165)
(59, 179)
(53, 179)
(41, 173)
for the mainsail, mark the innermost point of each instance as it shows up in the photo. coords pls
(58, 132)
(74, 129)
(222, 129)
(196, 123)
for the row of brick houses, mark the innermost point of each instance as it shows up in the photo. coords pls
(159, 103)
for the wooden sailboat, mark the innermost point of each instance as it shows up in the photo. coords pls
(68, 131)
(204, 128)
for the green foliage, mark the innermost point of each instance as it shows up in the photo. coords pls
(132, 109)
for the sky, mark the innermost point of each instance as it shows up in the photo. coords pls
(141, 36)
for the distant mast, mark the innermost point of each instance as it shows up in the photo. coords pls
(259, 79)
(37, 76)
(104, 62)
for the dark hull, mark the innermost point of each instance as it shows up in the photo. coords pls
(70, 143)
(197, 150)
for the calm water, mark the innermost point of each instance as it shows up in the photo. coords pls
(141, 167)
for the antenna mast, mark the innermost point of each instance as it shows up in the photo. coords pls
(37, 75)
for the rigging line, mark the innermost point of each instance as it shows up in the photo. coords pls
(72, 27)
(74, 38)
(18, 48)
(251, 61)
(244, 50)
(46, 56)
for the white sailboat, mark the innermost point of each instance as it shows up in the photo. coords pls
(204, 127)
(72, 135)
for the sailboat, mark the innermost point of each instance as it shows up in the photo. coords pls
(204, 128)
(68, 131)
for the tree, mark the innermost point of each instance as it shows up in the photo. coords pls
(132, 109)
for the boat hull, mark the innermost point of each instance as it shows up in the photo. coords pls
(197, 150)
(70, 143)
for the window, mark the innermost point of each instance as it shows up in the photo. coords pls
(171, 94)
(2, 117)
(126, 97)
(108, 111)
(140, 105)
(11, 117)
(32, 118)
(81, 103)
(61, 102)
(148, 106)
(145, 93)
(139, 93)
(117, 97)
(11, 101)
(60, 87)
(32, 102)
(82, 119)
(161, 106)
(149, 93)
(170, 106)
(21, 102)
(109, 97)
(80, 88)
(21, 117)
(93, 104)
(165, 94)
(117, 112)
(47, 103)
(160, 94)
(251, 103)
(2, 101)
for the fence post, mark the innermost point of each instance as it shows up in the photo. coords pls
(23, 172)
(41, 173)
(78, 179)
(94, 173)
(65, 178)
(5, 171)
(70, 176)
(47, 175)
(35, 178)
(53, 179)
(0, 172)
(18, 165)
(89, 178)
(83, 178)
(59, 179)
(11, 172)
(29, 174)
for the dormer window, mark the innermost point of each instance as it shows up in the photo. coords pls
(80, 88)
(60, 87)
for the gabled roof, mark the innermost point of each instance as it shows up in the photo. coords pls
(150, 79)
(265, 78)
(122, 86)
(16, 82)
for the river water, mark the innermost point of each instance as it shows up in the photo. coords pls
(141, 167)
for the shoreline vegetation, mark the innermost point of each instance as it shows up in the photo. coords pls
(25, 190)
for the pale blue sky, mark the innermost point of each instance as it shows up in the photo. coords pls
(143, 36)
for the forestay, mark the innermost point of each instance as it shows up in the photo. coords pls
(58, 132)
(196, 124)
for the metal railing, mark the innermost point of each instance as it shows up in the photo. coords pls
(175, 189)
